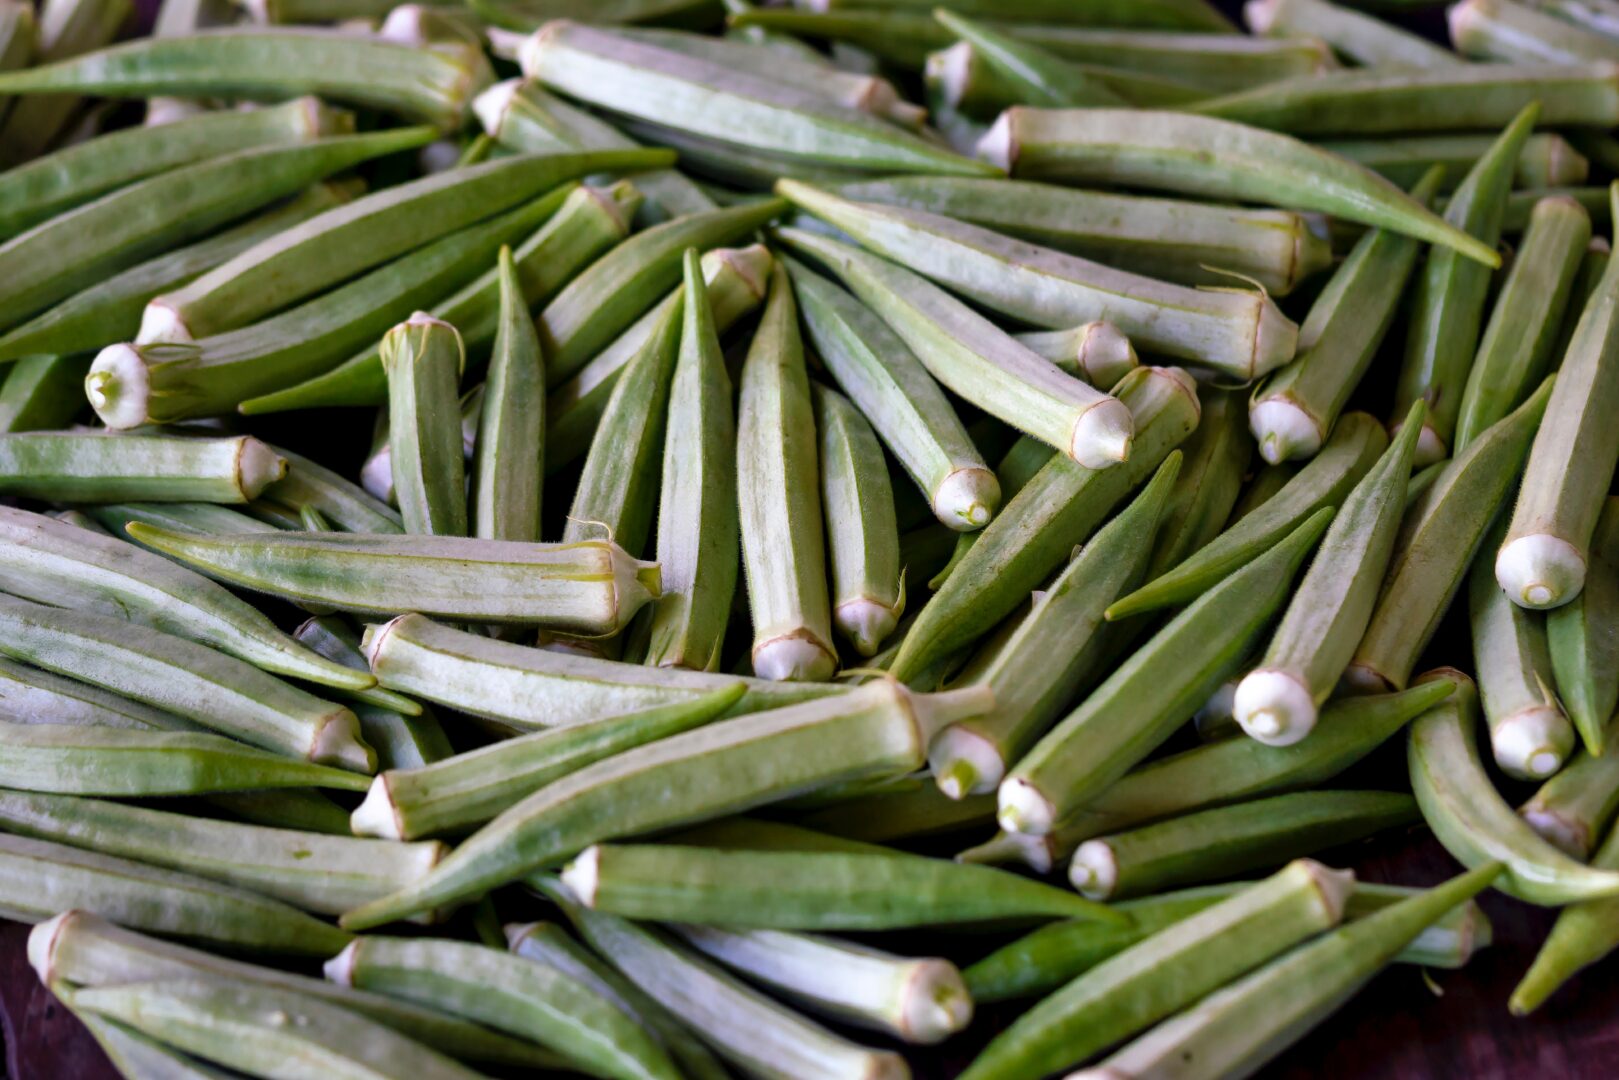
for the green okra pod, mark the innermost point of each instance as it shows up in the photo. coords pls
(1575, 808)
(345, 504)
(1232, 839)
(1167, 970)
(1216, 458)
(1097, 351)
(874, 730)
(1360, 38)
(462, 792)
(1036, 76)
(920, 809)
(1526, 322)
(867, 581)
(1592, 263)
(699, 538)
(1547, 161)
(43, 878)
(1187, 15)
(1292, 413)
(98, 466)
(65, 29)
(1523, 34)
(1212, 157)
(1278, 701)
(1583, 638)
(778, 493)
(509, 994)
(30, 695)
(884, 379)
(424, 358)
(507, 463)
(1438, 539)
(1356, 443)
(19, 33)
(141, 1057)
(42, 392)
(1448, 311)
(1473, 821)
(1584, 933)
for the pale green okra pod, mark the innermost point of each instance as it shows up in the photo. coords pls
(1575, 808)
(98, 466)
(1361, 38)
(1583, 638)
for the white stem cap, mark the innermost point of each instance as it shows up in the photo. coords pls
(865, 622)
(1023, 809)
(338, 744)
(964, 762)
(1540, 570)
(1104, 354)
(583, 875)
(795, 657)
(257, 467)
(1260, 15)
(491, 105)
(1103, 434)
(967, 499)
(42, 945)
(377, 815)
(161, 323)
(1274, 707)
(340, 968)
(934, 1003)
(119, 387)
(1532, 743)
(998, 146)
(1094, 871)
(1284, 430)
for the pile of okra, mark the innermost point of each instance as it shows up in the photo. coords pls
(987, 473)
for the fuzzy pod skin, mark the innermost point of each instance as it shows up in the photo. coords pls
(1292, 412)
(1523, 34)
(1363, 39)
(1065, 622)
(458, 794)
(1236, 1030)
(1153, 692)
(1547, 161)
(1576, 807)
(65, 566)
(85, 950)
(42, 392)
(1477, 825)
(1036, 76)
(1239, 334)
(699, 544)
(867, 581)
(874, 730)
(778, 492)
(1169, 239)
(139, 1056)
(1035, 533)
(1212, 157)
(88, 466)
(918, 810)
(1356, 443)
(1278, 702)
(1585, 932)
(1583, 638)
(1167, 971)
(885, 380)
(42, 878)
(1525, 324)
(345, 504)
(1448, 311)
(31, 696)
(188, 679)
(1209, 483)
(507, 466)
(509, 994)
(1232, 839)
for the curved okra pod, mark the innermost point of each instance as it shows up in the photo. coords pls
(1584, 933)
(806, 890)
(323, 874)
(874, 730)
(43, 878)
(1294, 410)
(510, 994)
(507, 468)
(462, 792)
(884, 379)
(1524, 34)
(1203, 155)
(191, 680)
(1232, 839)
(1034, 75)
(1528, 316)
(1361, 38)
(1097, 351)
(867, 581)
(974, 358)
(1236, 333)
(921, 1001)
(1236, 1030)
(1448, 310)
(1166, 971)
(1035, 533)
(1355, 445)
(1216, 457)
(97, 466)
(1153, 692)
(432, 85)
(1278, 701)
(1475, 823)
(778, 492)
(1582, 639)
(1062, 643)
(1575, 808)
(591, 587)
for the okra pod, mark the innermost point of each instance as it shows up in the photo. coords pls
(1575, 808)
(867, 581)
(89, 466)
(507, 467)
(42, 392)
(1523, 34)
(1216, 458)
(140, 1057)
(1362, 39)
(1547, 160)
(1186, 15)
(1035, 75)
(1584, 933)
(65, 29)
(31, 696)
(423, 358)
(896, 813)
(345, 504)
(1583, 638)
(1097, 351)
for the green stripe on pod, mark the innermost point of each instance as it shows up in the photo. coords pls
(509, 994)
(1236, 1030)
(507, 468)
(1292, 412)
(1528, 317)
(530, 689)
(424, 358)
(1473, 821)
(726, 767)
(460, 793)
(1152, 693)
(1523, 34)
(1448, 311)
(1576, 807)
(1438, 539)
(1326, 480)
(42, 392)
(1240, 334)
(1592, 265)
(1235, 839)
(99, 466)
(1211, 157)
(778, 493)
(699, 538)
(345, 504)
(1278, 701)
(322, 874)
(1166, 971)
(1052, 652)
(1362, 39)
(1036, 76)
(806, 890)
(1582, 640)
(83, 949)
(432, 85)
(43, 878)
(1035, 533)
(1584, 933)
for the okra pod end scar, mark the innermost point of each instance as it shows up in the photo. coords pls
(1539, 570)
